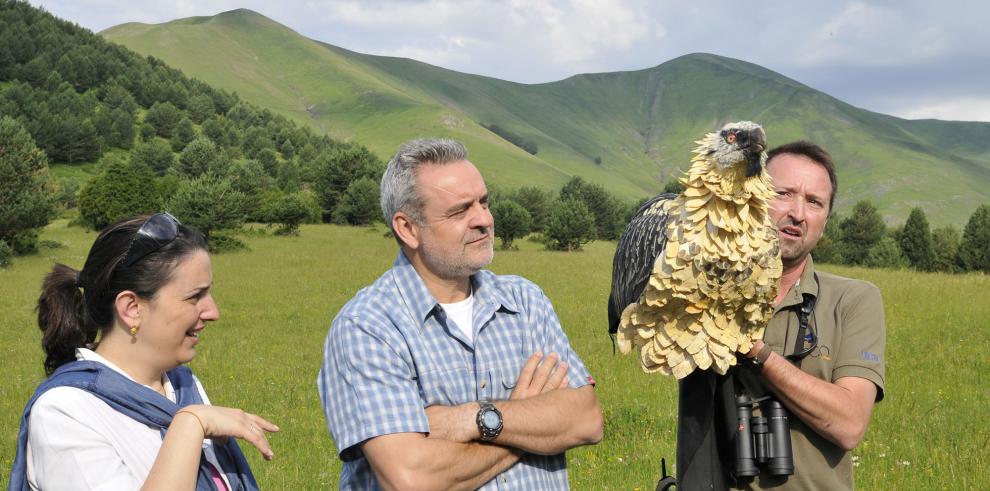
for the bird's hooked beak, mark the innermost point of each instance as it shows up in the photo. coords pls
(754, 151)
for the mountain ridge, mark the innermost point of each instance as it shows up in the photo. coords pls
(640, 124)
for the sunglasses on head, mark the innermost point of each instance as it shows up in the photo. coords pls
(156, 232)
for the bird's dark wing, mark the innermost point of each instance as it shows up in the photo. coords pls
(639, 246)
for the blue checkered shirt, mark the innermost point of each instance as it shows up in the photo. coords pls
(391, 352)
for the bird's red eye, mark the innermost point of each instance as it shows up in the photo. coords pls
(731, 137)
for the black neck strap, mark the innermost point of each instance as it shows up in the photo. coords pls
(804, 316)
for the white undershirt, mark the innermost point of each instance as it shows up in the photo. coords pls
(460, 314)
(76, 441)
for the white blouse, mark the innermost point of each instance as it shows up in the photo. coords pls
(78, 442)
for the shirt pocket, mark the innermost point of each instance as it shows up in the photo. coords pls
(507, 376)
(446, 387)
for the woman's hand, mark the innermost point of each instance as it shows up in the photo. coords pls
(221, 422)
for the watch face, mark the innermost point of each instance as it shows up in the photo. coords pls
(490, 419)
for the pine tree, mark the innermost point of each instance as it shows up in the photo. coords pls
(122, 131)
(606, 208)
(886, 254)
(155, 154)
(164, 117)
(210, 205)
(338, 169)
(359, 205)
(123, 189)
(512, 221)
(570, 224)
(829, 248)
(184, 134)
(862, 230)
(945, 245)
(974, 250)
(25, 189)
(916, 241)
(537, 202)
(202, 156)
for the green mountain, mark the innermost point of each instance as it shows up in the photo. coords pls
(630, 131)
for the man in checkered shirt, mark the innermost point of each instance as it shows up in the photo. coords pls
(441, 374)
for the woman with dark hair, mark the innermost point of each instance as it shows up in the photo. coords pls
(119, 411)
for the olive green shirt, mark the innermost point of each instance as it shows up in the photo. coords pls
(849, 323)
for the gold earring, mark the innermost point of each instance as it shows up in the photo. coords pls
(134, 329)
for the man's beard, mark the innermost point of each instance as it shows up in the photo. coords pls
(457, 264)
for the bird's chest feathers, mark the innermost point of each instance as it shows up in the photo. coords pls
(720, 241)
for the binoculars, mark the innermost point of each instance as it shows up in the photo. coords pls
(762, 441)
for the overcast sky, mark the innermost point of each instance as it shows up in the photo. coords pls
(908, 58)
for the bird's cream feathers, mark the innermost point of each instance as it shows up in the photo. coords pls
(711, 291)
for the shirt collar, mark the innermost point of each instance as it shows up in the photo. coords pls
(422, 303)
(807, 284)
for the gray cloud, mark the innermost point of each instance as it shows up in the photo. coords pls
(909, 58)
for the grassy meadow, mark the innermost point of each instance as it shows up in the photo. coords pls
(278, 298)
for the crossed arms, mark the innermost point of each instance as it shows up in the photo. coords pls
(543, 415)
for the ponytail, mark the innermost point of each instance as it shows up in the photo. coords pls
(71, 318)
(61, 317)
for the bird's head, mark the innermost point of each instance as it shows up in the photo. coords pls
(742, 143)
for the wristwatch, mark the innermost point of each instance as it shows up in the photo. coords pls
(489, 421)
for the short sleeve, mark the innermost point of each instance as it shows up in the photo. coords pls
(861, 348)
(556, 341)
(367, 385)
(65, 451)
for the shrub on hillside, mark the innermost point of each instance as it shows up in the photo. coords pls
(212, 206)
(184, 134)
(289, 210)
(6, 254)
(608, 212)
(886, 254)
(147, 132)
(201, 107)
(121, 190)
(288, 177)
(163, 117)
(25, 188)
(122, 129)
(673, 186)
(202, 156)
(537, 202)
(945, 244)
(511, 221)
(338, 170)
(360, 204)
(66, 194)
(570, 224)
(155, 154)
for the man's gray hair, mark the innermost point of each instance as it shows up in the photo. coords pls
(399, 191)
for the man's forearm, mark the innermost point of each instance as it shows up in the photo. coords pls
(552, 422)
(839, 412)
(412, 461)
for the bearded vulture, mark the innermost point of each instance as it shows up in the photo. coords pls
(695, 275)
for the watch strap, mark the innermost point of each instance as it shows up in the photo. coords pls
(762, 356)
(488, 433)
